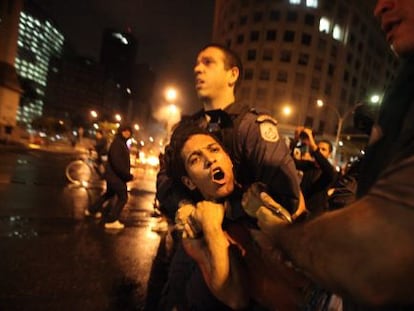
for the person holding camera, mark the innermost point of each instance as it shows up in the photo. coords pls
(311, 159)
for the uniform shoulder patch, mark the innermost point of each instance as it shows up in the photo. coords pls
(268, 128)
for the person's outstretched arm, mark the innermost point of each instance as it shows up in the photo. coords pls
(364, 251)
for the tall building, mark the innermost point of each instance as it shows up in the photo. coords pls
(39, 40)
(298, 51)
(118, 54)
(134, 82)
(9, 84)
(75, 87)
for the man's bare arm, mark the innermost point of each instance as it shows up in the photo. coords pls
(219, 264)
(364, 251)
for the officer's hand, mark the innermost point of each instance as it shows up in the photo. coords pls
(277, 209)
(251, 200)
(255, 197)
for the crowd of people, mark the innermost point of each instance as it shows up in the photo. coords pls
(265, 226)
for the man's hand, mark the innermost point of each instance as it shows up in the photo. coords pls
(209, 215)
(310, 141)
(206, 216)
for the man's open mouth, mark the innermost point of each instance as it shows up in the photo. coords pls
(218, 174)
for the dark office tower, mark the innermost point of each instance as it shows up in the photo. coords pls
(75, 87)
(9, 85)
(118, 53)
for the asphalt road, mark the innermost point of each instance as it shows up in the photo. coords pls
(54, 258)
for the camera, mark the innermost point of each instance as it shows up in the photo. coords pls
(303, 135)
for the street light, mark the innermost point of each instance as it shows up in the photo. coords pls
(287, 110)
(94, 114)
(170, 113)
(118, 117)
(341, 119)
(170, 94)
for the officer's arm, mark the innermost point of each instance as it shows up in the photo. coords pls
(268, 158)
(364, 251)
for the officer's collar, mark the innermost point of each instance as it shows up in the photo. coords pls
(220, 117)
(226, 115)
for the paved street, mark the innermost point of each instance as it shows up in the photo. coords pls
(54, 258)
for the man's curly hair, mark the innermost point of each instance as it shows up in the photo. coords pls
(173, 161)
(182, 132)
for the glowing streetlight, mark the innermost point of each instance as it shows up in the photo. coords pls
(172, 110)
(118, 117)
(375, 99)
(94, 114)
(341, 119)
(287, 110)
(171, 94)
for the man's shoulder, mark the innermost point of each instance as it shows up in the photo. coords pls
(259, 116)
(249, 113)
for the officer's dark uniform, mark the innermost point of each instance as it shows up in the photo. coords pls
(257, 152)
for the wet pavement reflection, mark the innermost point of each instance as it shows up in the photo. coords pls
(54, 258)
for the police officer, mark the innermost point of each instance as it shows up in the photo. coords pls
(250, 136)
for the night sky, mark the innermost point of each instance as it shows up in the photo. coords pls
(169, 33)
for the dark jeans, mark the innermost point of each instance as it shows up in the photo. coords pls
(113, 188)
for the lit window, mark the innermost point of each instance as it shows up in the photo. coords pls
(337, 32)
(294, 1)
(312, 3)
(324, 25)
